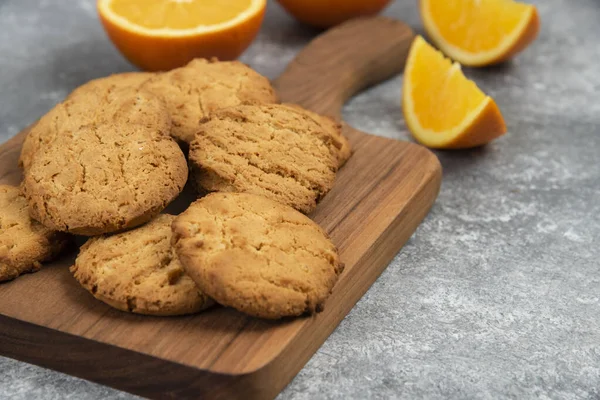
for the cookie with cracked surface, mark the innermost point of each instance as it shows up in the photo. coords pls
(44, 132)
(339, 143)
(256, 255)
(111, 166)
(24, 243)
(270, 150)
(196, 90)
(113, 82)
(138, 271)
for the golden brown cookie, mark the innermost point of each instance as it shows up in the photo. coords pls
(43, 133)
(24, 243)
(138, 271)
(111, 164)
(193, 92)
(256, 255)
(339, 144)
(113, 82)
(271, 150)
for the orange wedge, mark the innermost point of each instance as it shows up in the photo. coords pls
(480, 32)
(442, 108)
(160, 35)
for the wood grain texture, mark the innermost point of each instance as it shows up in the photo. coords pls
(380, 197)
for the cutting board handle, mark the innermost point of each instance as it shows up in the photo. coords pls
(343, 61)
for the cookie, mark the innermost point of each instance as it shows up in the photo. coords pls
(24, 243)
(42, 132)
(113, 82)
(138, 271)
(194, 91)
(111, 165)
(339, 144)
(256, 255)
(270, 150)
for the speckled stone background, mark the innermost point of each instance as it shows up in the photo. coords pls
(497, 295)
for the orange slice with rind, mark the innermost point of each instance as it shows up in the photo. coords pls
(327, 13)
(158, 35)
(442, 108)
(480, 32)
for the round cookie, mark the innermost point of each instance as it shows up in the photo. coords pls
(270, 150)
(43, 132)
(111, 165)
(339, 145)
(194, 91)
(24, 243)
(138, 271)
(256, 255)
(113, 82)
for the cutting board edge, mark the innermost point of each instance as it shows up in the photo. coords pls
(106, 364)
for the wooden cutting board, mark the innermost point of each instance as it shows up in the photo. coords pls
(380, 197)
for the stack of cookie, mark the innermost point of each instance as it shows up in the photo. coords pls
(108, 160)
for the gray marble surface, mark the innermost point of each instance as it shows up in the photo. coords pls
(497, 295)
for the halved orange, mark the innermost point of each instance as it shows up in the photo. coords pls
(327, 13)
(480, 32)
(160, 35)
(442, 108)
